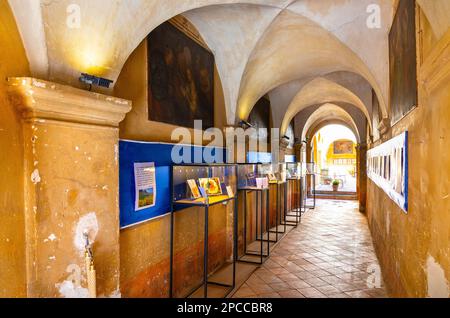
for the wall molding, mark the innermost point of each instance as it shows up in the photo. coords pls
(38, 99)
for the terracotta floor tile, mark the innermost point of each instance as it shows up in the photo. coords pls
(315, 282)
(269, 295)
(358, 294)
(311, 293)
(244, 291)
(328, 254)
(338, 295)
(328, 290)
(299, 284)
(288, 277)
(291, 294)
(278, 287)
(279, 271)
(261, 289)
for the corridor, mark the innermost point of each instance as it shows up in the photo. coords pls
(158, 149)
(330, 255)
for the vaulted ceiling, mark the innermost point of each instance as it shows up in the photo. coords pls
(260, 46)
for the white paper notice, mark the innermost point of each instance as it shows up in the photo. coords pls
(145, 185)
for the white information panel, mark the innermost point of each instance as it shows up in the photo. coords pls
(387, 167)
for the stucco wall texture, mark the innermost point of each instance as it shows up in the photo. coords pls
(39, 211)
(414, 248)
(13, 62)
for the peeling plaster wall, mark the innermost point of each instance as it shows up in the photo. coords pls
(13, 62)
(414, 248)
(76, 190)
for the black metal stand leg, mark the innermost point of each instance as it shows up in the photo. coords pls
(245, 222)
(257, 211)
(299, 206)
(285, 206)
(300, 201)
(171, 255)
(267, 221)
(261, 226)
(277, 212)
(205, 272)
(235, 240)
(314, 190)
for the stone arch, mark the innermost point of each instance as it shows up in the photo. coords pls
(320, 91)
(326, 115)
(280, 58)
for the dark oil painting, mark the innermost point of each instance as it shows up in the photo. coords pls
(181, 79)
(402, 53)
(260, 118)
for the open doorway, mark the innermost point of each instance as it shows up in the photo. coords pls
(334, 153)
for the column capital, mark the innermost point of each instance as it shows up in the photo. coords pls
(284, 144)
(384, 125)
(38, 99)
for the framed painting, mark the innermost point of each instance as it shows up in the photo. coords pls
(343, 147)
(403, 61)
(260, 119)
(180, 79)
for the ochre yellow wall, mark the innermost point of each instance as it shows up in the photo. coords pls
(331, 157)
(13, 62)
(414, 248)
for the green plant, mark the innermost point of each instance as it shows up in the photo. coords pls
(336, 182)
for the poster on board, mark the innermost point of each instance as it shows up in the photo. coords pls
(145, 185)
(387, 167)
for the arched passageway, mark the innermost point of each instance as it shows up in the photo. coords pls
(333, 150)
(68, 157)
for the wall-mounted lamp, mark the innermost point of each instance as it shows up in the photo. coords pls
(286, 137)
(94, 80)
(245, 124)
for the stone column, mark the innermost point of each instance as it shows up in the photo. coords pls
(361, 168)
(71, 186)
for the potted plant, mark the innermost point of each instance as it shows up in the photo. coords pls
(336, 184)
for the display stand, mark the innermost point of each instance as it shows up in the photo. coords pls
(178, 206)
(259, 238)
(280, 215)
(295, 214)
(313, 192)
(310, 174)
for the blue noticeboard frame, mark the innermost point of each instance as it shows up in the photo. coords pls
(259, 157)
(392, 157)
(131, 152)
(290, 158)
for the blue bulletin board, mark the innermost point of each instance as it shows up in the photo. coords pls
(131, 152)
(259, 157)
(290, 158)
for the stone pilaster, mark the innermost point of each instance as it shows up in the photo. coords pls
(361, 167)
(71, 186)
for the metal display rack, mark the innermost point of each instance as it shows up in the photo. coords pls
(296, 212)
(280, 215)
(206, 203)
(310, 174)
(259, 238)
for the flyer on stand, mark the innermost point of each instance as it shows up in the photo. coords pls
(145, 185)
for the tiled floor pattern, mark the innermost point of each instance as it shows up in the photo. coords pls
(330, 255)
